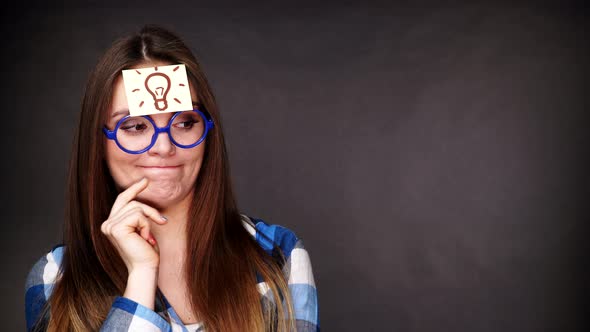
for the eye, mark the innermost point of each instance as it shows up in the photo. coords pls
(185, 121)
(185, 124)
(134, 125)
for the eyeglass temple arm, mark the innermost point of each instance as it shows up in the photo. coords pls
(109, 133)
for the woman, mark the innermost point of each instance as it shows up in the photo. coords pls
(153, 240)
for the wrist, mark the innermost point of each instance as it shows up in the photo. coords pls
(141, 286)
(143, 270)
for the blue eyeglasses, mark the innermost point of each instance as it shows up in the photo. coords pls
(138, 134)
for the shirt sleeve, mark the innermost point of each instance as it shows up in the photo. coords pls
(297, 270)
(128, 315)
(38, 287)
(124, 315)
(302, 287)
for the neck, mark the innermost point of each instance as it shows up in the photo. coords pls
(171, 237)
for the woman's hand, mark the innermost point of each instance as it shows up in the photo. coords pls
(128, 229)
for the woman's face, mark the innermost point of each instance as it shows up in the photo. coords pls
(171, 170)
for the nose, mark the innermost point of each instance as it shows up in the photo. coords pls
(163, 146)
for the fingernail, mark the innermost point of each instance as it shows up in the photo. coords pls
(163, 218)
(152, 240)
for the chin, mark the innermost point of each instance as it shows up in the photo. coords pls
(162, 195)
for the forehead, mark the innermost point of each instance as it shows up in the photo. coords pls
(119, 98)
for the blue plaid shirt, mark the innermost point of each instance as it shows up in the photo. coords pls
(128, 315)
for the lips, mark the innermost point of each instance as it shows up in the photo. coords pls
(161, 170)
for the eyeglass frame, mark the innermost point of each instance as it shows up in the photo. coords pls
(112, 134)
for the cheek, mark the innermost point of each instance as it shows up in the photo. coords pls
(121, 165)
(193, 162)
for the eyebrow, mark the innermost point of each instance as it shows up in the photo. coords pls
(117, 113)
(126, 111)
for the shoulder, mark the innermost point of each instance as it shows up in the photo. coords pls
(45, 270)
(39, 283)
(270, 236)
(297, 268)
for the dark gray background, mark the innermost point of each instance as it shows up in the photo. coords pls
(431, 156)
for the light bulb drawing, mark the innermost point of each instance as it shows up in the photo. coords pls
(158, 85)
(166, 86)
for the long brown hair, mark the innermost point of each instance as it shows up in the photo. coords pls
(222, 257)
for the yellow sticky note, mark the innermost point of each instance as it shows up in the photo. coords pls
(155, 90)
